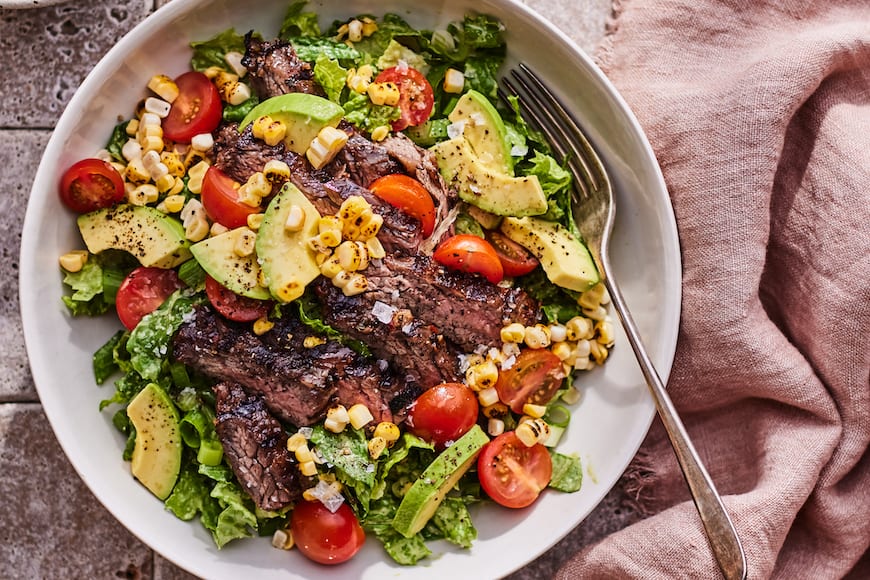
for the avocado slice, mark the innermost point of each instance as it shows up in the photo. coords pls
(305, 115)
(565, 259)
(153, 237)
(485, 131)
(218, 258)
(157, 449)
(430, 489)
(478, 184)
(287, 260)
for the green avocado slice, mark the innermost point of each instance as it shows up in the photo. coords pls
(157, 450)
(303, 114)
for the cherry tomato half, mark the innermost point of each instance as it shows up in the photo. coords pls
(91, 184)
(469, 253)
(415, 95)
(197, 108)
(534, 378)
(143, 291)
(515, 259)
(232, 306)
(512, 474)
(220, 198)
(443, 414)
(323, 536)
(409, 195)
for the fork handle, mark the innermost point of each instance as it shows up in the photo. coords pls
(720, 530)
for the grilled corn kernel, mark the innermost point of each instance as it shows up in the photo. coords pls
(329, 223)
(195, 176)
(248, 197)
(354, 30)
(262, 325)
(598, 313)
(295, 441)
(231, 90)
(338, 413)
(330, 238)
(131, 150)
(598, 352)
(537, 336)
(604, 328)
(376, 446)
(258, 185)
(312, 341)
(454, 81)
(196, 229)
(282, 539)
(488, 397)
(289, 291)
(563, 350)
(174, 203)
(244, 244)
(217, 229)
(173, 163)
(274, 133)
(592, 298)
(276, 170)
(254, 221)
(325, 146)
(371, 228)
(582, 348)
(202, 142)
(295, 218)
(359, 416)
(164, 87)
(352, 207)
(380, 132)
(534, 411)
(514, 332)
(350, 256)
(495, 427)
(330, 267)
(558, 333)
(482, 375)
(308, 469)
(157, 106)
(213, 71)
(193, 157)
(509, 349)
(143, 194)
(165, 183)
(386, 93)
(317, 244)
(389, 432)
(74, 261)
(578, 328)
(532, 432)
(496, 411)
(136, 171)
(234, 60)
(369, 26)
(375, 248)
(357, 82)
(356, 285)
(259, 126)
(152, 143)
(303, 453)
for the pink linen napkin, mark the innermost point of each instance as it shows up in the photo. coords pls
(759, 114)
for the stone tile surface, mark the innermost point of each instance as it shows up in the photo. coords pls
(52, 525)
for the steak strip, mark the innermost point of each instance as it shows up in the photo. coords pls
(274, 69)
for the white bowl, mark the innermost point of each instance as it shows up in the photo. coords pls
(608, 425)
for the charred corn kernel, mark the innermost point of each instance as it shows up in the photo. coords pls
(338, 413)
(308, 469)
(262, 325)
(320, 258)
(388, 431)
(317, 244)
(598, 352)
(592, 298)
(357, 82)
(244, 244)
(131, 150)
(578, 328)
(258, 185)
(282, 539)
(274, 133)
(276, 170)
(495, 427)
(341, 32)
(259, 126)
(514, 332)
(351, 208)
(385, 93)
(104, 155)
(217, 229)
(604, 329)
(488, 397)
(152, 143)
(143, 195)
(254, 221)
(380, 132)
(173, 163)
(509, 349)
(312, 341)
(136, 172)
(330, 267)
(534, 411)
(193, 157)
(474, 359)
(598, 313)
(295, 218)
(359, 416)
(533, 432)
(582, 348)
(132, 127)
(563, 350)
(74, 261)
(330, 238)
(584, 364)
(157, 106)
(165, 183)
(537, 336)
(371, 228)
(213, 71)
(303, 453)
(197, 229)
(192, 209)
(482, 375)
(364, 255)
(234, 60)
(351, 255)
(369, 26)
(558, 333)
(571, 395)
(496, 411)
(325, 146)
(454, 81)
(376, 446)
(149, 123)
(164, 87)
(375, 249)
(329, 223)
(248, 197)
(354, 30)
(230, 88)
(295, 441)
(202, 142)
(356, 285)
(333, 425)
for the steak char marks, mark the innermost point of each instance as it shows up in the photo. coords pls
(274, 69)
(297, 383)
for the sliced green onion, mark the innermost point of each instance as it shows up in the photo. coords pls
(210, 452)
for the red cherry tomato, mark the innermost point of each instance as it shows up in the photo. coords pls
(91, 184)
(469, 253)
(515, 259)
(197, 109)
(143, 291)
(232, 306)
(512, 474)
(220, 198)
(409, 195)
(415, 95)
(534, 378)
(443, 414)
(323, 536)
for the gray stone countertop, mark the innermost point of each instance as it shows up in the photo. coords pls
(52, 526)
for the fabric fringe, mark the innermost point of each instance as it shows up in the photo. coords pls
(604, 51)
(638, 484)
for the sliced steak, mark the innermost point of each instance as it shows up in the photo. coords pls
(274, 69)
(298, 384)
(361, 160)
(239, 155)
(255, 444)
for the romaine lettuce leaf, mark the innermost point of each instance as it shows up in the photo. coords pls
(331, 76)
(149, 342)
(211, 52)
(567, 472)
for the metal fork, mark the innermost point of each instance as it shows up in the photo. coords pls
(594, 213)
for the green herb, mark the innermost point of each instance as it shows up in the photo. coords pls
(209, 53)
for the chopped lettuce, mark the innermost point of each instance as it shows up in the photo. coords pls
(95, 285)
(297, 22)
(331, 76)
(117, 140)
(567, 472)
(104, 363)
(150, 341)
(237, 113)
(452, 522)
(209, 53)
(361, 112)
(396, 52)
